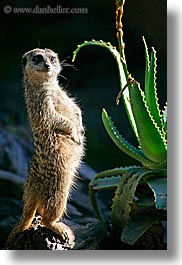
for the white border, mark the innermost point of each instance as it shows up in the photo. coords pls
(174, 253)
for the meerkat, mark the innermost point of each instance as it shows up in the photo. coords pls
(58, 140)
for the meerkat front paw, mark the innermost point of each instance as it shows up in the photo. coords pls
(78, 142)
(74, 136)
(66, 233)
(82, 131)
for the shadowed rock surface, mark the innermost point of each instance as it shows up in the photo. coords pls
(87, 233)
(39, 238)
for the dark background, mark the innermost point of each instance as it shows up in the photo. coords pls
(96, 81)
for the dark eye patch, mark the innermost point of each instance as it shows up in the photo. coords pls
(37, 58)
(52, 59)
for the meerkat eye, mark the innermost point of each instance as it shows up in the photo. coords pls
(52, 59)
(37, 58)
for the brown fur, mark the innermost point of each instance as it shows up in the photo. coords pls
(57, 130)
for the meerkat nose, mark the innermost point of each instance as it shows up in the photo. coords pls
(47, 66)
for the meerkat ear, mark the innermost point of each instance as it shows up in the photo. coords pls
(24, 60)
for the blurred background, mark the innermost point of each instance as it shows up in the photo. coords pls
(95, 83)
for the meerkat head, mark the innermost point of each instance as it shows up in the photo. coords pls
(42, 64)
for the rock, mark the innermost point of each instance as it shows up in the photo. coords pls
(89, 233)
(16, 150)
(81, 236)
(39, 237)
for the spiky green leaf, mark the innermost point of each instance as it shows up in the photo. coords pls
(105, 183)
(159, 187)
(124, 196)
(150, 85)
(123, 199)
(147, 62)
(120, 141)
(137, 226)
(164, 116)
(153, 142)
(104, 180)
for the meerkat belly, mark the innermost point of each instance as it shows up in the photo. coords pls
(51, 171)
(55, 154)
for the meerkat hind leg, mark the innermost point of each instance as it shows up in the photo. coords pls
(25, 220)
(58, 227)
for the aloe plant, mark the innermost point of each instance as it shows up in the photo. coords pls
(130, 209)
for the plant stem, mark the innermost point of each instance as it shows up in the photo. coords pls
(119, 34)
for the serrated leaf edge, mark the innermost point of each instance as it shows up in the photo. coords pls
(124, 145)
(152, 118)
